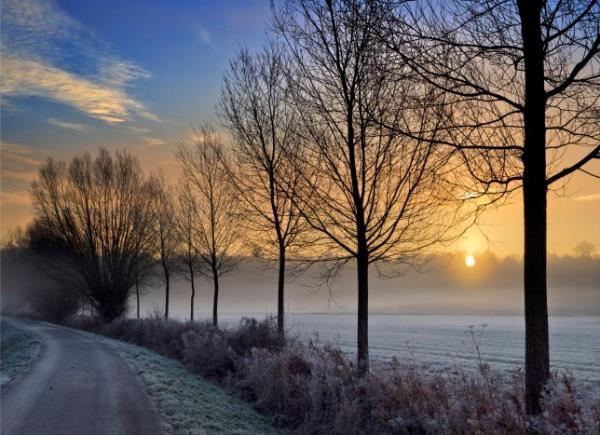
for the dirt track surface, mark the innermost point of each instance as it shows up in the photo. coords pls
(77, 385)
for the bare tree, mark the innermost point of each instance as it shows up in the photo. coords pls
(522, 80)
(98, 210)
(165, 231)
(372, 195)
(143, 276)
(216, 204)
(256, 108)
(186, 212)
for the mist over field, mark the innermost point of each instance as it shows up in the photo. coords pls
(443, 286)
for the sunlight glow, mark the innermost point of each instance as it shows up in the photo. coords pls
(470, 261)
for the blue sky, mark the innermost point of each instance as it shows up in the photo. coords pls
(136, 74)
(167, 57)
(121, 74)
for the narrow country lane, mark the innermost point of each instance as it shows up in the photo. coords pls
(77, 385)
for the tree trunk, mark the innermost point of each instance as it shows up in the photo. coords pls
(137, 295)
(167, 295)
(362, 252)
(280, 292)
(363, 312)
(193, 295)
(537, 360)
(216, 296)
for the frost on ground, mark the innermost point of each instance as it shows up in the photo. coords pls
(18, 348)
(315, 388)
(187, 403)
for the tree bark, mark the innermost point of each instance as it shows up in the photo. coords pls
(193, 295)
(280, 292)
(537, 361)
(216, 297)
(363, 312)
(137, 295)
(167, 295)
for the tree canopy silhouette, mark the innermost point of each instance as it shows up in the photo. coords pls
(257, 108)
(99, 211)
(370, 194)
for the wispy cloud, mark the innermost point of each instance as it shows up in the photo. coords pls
(38, 37)
(18, 156)
(19, 168)
(29, 77)
(20, 198)
(67, 125)
(19, 164)
(138, 130)
(153, 141)
(205, 36)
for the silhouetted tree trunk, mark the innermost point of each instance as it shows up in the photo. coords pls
(215, 279)
(186, 216)
(537, 359)
(362, 255)
(280, 292)
(144, 274)
(167, 279)
(166, 233)
(137, 296)
(362, 268)
(193, 294)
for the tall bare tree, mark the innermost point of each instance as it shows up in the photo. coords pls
(186, 213)
(257, 109)
(522, 78)
(372, 195)
(143, 276)
(99, 210)
(165, 233)
(216, 204)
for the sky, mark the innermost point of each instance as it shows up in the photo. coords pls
(137, 74)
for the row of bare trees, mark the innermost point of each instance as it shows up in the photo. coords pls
(107, 230)
(507, 91)
(365, 132)
(389, 114)
(212, 235)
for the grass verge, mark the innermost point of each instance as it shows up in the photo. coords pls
(187, 403)
(18, 348)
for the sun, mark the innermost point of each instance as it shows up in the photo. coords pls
(470, 261)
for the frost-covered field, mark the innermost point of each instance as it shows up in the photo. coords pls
(18, 348)
(440, 342)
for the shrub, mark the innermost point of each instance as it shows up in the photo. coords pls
(252, 333)
(208, 352)
(312, 388)
(55, 304)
